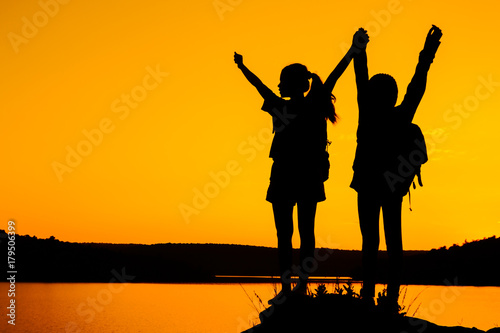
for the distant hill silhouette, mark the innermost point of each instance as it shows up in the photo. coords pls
(51, 260)
(473, 263)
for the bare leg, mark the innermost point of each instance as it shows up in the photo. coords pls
(391, 209)
(369, 213)
(283, 218)
(306, 211)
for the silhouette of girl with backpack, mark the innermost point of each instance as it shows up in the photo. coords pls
(300, 158)
(380, 182)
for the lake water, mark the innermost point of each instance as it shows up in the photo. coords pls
(230, 308)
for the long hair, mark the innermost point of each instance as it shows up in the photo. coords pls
(325, 98)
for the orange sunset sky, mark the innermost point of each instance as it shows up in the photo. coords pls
(116, 115)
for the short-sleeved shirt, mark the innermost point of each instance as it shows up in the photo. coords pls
(299, 128)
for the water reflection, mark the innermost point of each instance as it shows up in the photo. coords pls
(99, 307)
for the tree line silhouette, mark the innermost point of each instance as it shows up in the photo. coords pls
(51, 260)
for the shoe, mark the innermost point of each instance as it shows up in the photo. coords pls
(390, 307)
(368, 303)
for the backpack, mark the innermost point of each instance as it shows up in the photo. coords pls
(409, 153)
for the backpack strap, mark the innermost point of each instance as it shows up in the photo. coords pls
(419, 177)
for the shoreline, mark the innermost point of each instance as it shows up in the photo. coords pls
(250, 280)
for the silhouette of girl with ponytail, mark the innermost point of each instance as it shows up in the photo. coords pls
(300, 158)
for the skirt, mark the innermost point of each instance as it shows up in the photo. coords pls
(295, 181)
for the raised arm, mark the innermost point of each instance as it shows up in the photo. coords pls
(263, 90)
(337, 72)
(360, 40)
(416, 88)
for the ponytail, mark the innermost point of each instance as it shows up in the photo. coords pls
(325, 99)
